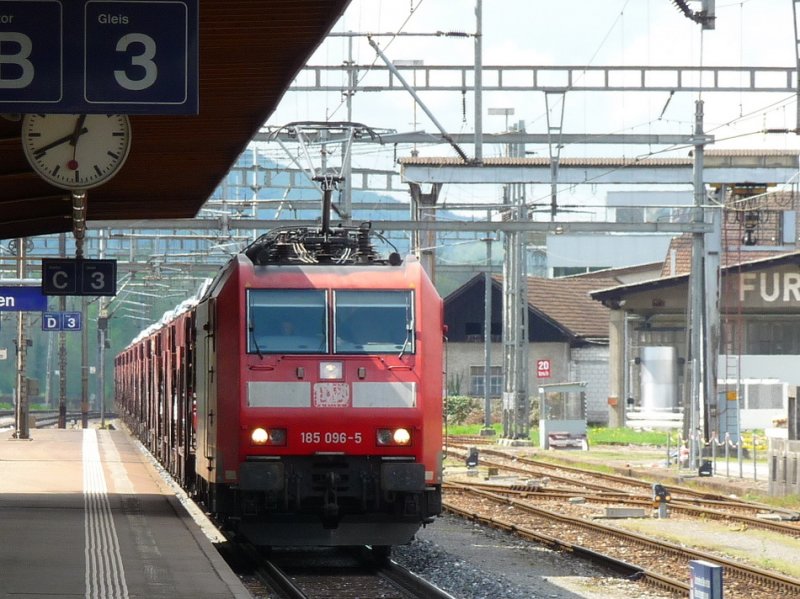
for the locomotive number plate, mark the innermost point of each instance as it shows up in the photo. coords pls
(330, 438)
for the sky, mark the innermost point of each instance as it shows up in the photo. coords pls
(748, 33)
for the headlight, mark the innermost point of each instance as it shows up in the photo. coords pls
(271, 436)
(402, 436)
(259, 436)
(330, 370)
(393, 437)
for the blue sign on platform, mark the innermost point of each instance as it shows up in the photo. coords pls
(61, 321)
(52, 321)
(706, 580)
(72, 321)
(31, 51)
(99, 56)
(22, 299)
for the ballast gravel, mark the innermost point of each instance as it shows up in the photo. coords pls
(471, 561)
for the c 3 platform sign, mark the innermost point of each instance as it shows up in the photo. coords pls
(99, 56)
(78, 276)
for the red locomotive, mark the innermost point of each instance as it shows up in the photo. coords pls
(301, 396)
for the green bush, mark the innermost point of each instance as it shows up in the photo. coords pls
(459, 407)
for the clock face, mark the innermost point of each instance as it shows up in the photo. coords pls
(76, 151)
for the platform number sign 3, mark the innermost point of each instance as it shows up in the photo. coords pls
(128, 50)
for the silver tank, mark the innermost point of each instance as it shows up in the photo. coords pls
(658, 378)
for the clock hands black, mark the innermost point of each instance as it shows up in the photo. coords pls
(73, 164)
(39, 152)
(79, 130)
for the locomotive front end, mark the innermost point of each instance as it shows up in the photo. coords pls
(341, 406)
(299, 396)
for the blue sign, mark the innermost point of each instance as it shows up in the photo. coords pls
(31, 51)
(52, 321)
(22, 299)
(706, 580)
(72, 321)
(61, 321)
(121, 50)
(99, 56)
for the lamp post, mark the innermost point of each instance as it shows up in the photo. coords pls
(487, 429)
(412, 62)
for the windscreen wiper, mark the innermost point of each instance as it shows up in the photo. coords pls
(255, 342)
(409, 332)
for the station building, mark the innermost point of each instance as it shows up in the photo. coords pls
(758, 336)
(759, 344)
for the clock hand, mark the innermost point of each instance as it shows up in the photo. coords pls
(73, 164)
(39, 152)
(79, 130)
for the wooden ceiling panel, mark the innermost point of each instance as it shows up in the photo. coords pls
(250, 50)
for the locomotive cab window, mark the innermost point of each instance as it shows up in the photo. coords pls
(369, 322)
(291, 321)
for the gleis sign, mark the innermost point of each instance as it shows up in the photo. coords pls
(99, 56)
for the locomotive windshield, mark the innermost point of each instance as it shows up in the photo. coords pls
(287, 321)
(294, 321)
(369, 322)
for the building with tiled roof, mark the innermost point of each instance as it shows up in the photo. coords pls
(752, 228)
(567, 330)
(567, 302)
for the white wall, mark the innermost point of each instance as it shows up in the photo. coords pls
(587, 364)
(782, 367)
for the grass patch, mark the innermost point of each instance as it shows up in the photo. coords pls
(471, 429)
(597, 435)
(761, 548)
(627, 436)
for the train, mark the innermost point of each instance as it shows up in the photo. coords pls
(299, 396)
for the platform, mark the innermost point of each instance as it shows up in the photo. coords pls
(84, 513)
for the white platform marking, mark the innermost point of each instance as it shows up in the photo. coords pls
(105, 574)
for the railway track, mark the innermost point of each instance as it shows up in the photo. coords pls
(47, 418)
(604, 488)
(654, 561)
(557, 499)
(316, 573)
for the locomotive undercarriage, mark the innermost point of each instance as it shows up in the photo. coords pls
(331, 500)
